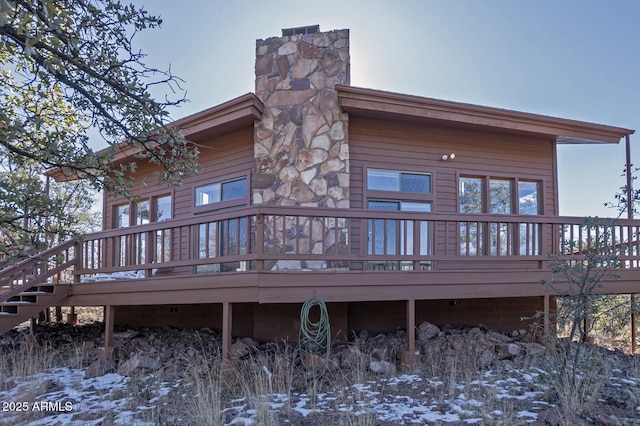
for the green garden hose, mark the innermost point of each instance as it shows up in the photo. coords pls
(315, 336)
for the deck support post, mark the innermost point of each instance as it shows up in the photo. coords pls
(547, 322)
(72, 317)
(410, 358)
(227, 311)
(109, 312)
(630, 211)
(411, 325)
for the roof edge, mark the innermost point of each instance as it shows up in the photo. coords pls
(211, 121)
(370, 102)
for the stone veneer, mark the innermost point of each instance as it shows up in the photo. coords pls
(301, 148)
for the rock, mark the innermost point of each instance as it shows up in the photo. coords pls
(409, 360)
(239, 350)
(352, 358)
(138, 362)
(607, 420)
(427, 331)
(508, 351)
(382, 367)
(98, 368)
(252, 344)
(380, 354)
(475, 331)
(486, 358)
(535, 348)
(550, 417)
(499, 337)
(125, 335)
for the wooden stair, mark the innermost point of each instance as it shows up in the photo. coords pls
(29, 303)
(35, 284)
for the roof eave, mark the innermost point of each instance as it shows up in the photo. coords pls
(229, 116)
(376, 103)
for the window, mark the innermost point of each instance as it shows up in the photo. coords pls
(471, 195)
(394, 181)
(132, 249)
(500, 196)
(143, 214)
(122, 216)
(398, 235)
(162, 212)
(216, 240)
(497, 196)
(528, 197)
(405, 206)
(162, 208)
(221, 191)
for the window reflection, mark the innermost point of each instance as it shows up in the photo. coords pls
(528, 197)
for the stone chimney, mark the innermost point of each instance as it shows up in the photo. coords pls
(301, 149)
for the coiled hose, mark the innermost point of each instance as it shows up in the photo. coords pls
(315, 336)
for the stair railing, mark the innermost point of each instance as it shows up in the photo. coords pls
(47, 267)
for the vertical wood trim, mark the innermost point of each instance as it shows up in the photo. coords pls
(633, 324)
(109, 312)
(556, 195)
(227, 309)
(411, 325)
(105, 213)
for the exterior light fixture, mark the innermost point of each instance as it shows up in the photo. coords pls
(446, 157)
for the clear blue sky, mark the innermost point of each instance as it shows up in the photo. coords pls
(577, 59)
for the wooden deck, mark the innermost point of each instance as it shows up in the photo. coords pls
(274, 255)
(278, 255)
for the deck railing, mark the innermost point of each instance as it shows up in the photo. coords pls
(314, 239)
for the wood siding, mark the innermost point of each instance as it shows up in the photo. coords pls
(229, 155)
(281, 321)
(419, 148)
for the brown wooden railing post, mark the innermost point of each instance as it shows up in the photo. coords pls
(78, 264)
(150, 247)
(259, 241)
(417, 239)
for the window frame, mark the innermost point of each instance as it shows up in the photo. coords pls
(539, 200)
(515, 201)
(374, 194)
(222, 205)
(133, 210)
(135, 246)
(154, 207)
(116, 215)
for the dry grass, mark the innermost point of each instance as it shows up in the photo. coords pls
(270, 384)
(576, 373)
(20, 363)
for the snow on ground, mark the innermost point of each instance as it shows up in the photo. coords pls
(67, 397)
